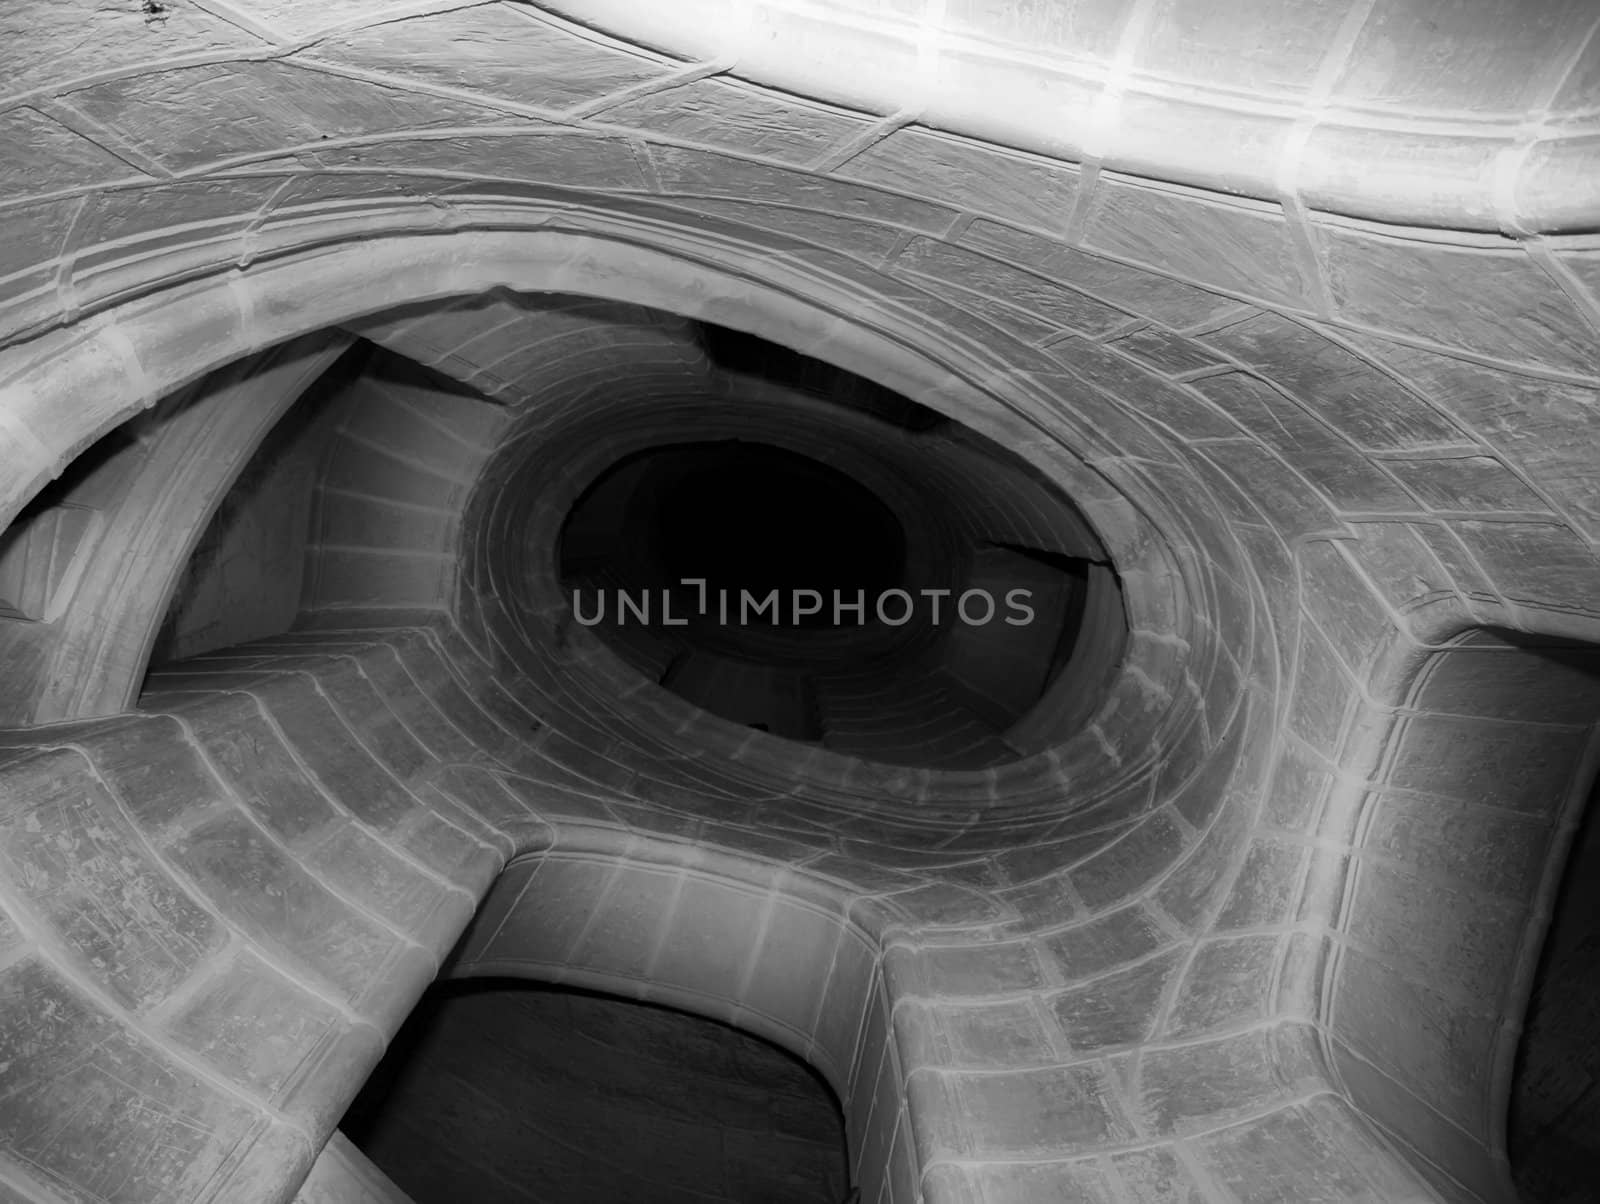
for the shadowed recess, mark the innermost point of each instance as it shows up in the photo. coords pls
(501, 1092)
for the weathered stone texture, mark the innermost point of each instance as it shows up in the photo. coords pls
(258, 109)
(93, 1104)
(1282, 296)
(1244, 250)
(71, 160)
(124, 919)
(488, 48)
(45, 41)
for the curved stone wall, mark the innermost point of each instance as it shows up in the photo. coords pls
(1236, 939)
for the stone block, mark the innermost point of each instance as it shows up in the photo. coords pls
(255, 108)
(93, 881)
(418, 709)
(358, 466)
(975, 315)
(1171, 302)
(1492, 301)
(267, 895)
(10, 935)
(1154, 1176)
(702, 174)
(527, 160)
(951, 1184)
(1166, 352)
(1495, 679)
(1204, 1085)
(483, 793)
(948, 905)
(1206, 789)
(1457, 942)
(504, 52)
(1343, 388)
(1112, 940)
(793, 964)
(343, 768)
(1349, 479)
(345, 577)
(1227, 984)
(143, 216)
(978, 177)
(870, 241)
(1400, 564)
(1034, 861)
(153, 768)
(371, 874)
(1327, 880)
(1265, 891)
(1323, 693)
(1281, 497)
(400, 419)
(994, 1036)
(712, 940)
(451, 852)
(1520, 767)
(1130, 864)
(253, 760)
(28, 261)
(842, 1014)
(1342, 602)
(368, 714)
(875, 1063)
(1118, 1008)
(271, 1036)
(1536, 563)
(1485, 851)
(631, 920)
(1420, 1128)
(1034, 1112)
(505, 842)
(1197, 887)
(1182, 410)
(384, 524)
(957, 971)
(43, 42)
(433, 680)
(734, 116)
(1063, 307)
(1288, 1153)
(1300, 783)
(887, 1117)
(1525, 419)
(58, 159)
(1476, 484)
(1241, 248)
(1441, 1048)
(1193, 41)
(905, 1174)
(99, 1110)
(1025, 1182)
(1046, 902)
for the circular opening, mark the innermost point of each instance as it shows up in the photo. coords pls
(811, 570)
(745, 517)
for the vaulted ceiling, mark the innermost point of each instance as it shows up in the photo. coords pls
(1298, 303)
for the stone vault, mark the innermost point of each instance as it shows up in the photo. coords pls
(1265, 330)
